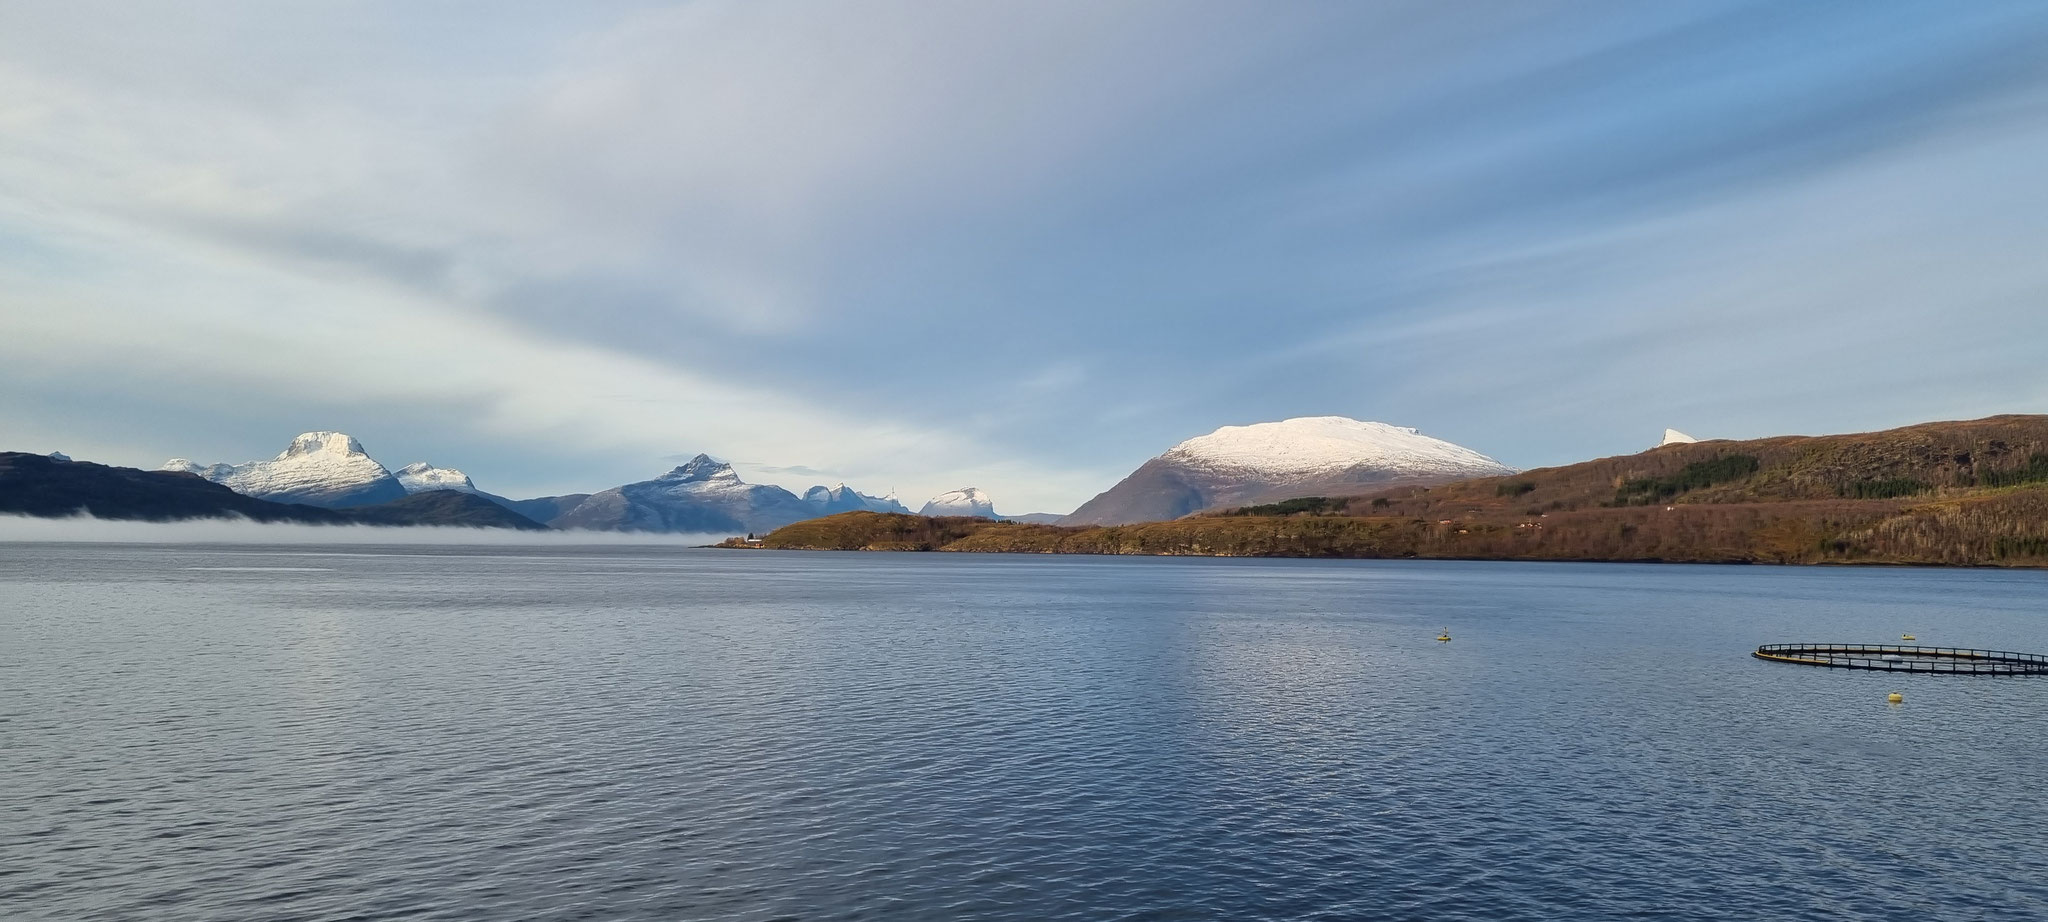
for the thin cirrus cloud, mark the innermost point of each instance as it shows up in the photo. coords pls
(1023, 246)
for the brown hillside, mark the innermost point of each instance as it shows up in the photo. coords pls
(1961, 493)
(1930, 459)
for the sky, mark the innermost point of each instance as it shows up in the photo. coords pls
(1021, 246)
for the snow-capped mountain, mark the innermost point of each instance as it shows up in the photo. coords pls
(842, 498)
(1675, 437)
(319, 469)
(964, 501)
(1267, 462)
(419, 477)
(703, 496)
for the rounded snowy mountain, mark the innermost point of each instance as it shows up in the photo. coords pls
(1268, 462)
(1312, 445)
(964, 501)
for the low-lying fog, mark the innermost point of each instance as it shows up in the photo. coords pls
(17, 528)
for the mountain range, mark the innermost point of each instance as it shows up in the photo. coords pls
(56, 486)
(332, 470)
(1232, 466)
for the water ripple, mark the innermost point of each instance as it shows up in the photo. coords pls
(651, 734)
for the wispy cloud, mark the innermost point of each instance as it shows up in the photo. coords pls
(1013, 245)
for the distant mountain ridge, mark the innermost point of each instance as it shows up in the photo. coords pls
(1264, 462)
(842, 498)
(332, 470)
(706, 495)
(702, 496)
(39, 485)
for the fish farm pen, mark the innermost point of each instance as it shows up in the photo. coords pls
(1892, 658)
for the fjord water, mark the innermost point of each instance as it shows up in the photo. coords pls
(231, 733)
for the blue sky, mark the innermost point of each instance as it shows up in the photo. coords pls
(1019, 246)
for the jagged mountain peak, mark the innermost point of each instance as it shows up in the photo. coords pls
(702, 469)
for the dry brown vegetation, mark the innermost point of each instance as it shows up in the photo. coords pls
(1966, 493)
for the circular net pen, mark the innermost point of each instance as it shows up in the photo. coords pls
(1891, 658)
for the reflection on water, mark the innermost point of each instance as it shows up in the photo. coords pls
(622, 733)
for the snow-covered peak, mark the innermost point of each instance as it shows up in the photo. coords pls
(964, 501)
(320, 468)
(822, 495)
(311, 442)
(702, 469)
(1675, 437)
(1320, 444)
(419, 477)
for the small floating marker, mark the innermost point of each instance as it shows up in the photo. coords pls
(1895, 698)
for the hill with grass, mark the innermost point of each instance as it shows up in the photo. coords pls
(1971, 493)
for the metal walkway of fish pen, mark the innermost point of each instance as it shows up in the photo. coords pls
(1891, 658)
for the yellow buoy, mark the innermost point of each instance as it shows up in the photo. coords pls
(1895, 698)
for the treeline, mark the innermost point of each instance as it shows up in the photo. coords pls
(1645, 490)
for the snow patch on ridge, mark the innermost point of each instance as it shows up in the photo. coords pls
(1326, 444)
(419, 477)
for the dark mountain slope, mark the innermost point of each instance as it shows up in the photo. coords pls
(442, 507)
(38, 485)
(543, 509)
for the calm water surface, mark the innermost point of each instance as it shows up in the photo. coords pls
(228, 733)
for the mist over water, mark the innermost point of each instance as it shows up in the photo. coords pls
(21, 528)
(556, 732)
